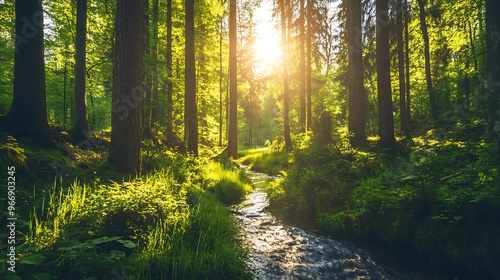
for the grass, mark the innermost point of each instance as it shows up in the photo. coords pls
(169, 224)
(267, 160)
(439, 199)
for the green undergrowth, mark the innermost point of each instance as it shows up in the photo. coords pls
(168, 224)
(438, 198)
(267, 160)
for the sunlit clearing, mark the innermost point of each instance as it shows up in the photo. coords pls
(267, 45)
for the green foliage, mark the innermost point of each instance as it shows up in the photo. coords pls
(270, 160)
(166, 223)
(439, 190)
(228, 186)
(200, 247)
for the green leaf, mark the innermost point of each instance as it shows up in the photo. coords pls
(127, 243)
(407, 178)
(104, 239)
(457, 218)
(35, 259)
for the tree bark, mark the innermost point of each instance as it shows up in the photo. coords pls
(493, 67)
(407, 63)
(385, 122)
(28, 113)
(170, 130)
(81, 121)
(428, 77)
(233, 83)
(302, 70)
(309, 63)
(155, 101)
(190, 108)
(356, 87)
(403, 115)
(128, 92)
(286, 93)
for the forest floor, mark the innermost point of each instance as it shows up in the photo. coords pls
(436, 200)
(77, 218)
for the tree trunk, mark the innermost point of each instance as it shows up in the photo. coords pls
(146, 119)
(428, 77)
(286, 93)
(155, 101)
(356, 87)
(309, 63)
(221, 89)
(385, 122)
(233, 83)
(493, 67)
(407, 61)
(128, 92)
(170, 107)
(28, 113)
(302, 70)
(81, 122)
(190, 108)
(403, 115)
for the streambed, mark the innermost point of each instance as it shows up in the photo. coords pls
(280, 251)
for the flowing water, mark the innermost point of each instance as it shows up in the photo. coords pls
(280, 251)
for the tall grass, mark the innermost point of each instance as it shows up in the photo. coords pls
(156, 227)
(270, 161)
(63, 207)
(203, 246)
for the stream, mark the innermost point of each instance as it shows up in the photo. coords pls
(281, 251)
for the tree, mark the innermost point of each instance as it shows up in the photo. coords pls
(309, 10)
(128, 92)
(302, 67)
(385, 122)
(493, 67)
(283, 7)
(190, 106)
(233, 84)
(407, 63)
(356, 87)
(28, 113)
(81, 116)
(155, 102)
(169, 126)
(428, 77)
(401, 69)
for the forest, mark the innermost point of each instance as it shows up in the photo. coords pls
(230, 139)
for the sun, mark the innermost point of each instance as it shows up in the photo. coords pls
(267, 46)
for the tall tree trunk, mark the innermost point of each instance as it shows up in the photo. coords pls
(221, 89)
(170, 107)
(147, 75)
(493, 67)
(155, 102)
(302, 70)
(81, 122)
(403, 115)
(428, 77)
(128, 92)
(356, 87)
(233, 83)
(65, 83)
(309, 63)
(407, 63)
(28, 114)
(190, 108)
(385, 122)
(286, 93)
